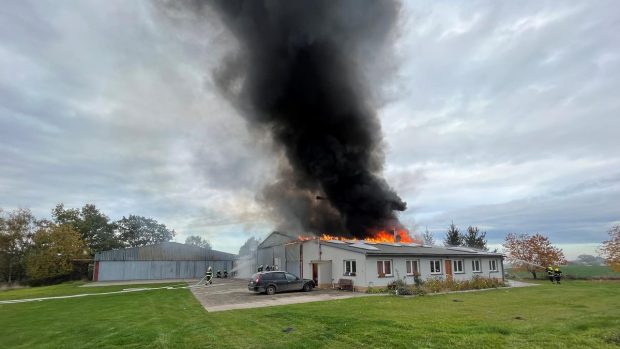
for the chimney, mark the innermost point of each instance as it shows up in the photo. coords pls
(396, 236)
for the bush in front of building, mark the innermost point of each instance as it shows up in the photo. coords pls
(377, 290)
(436, 285)
(476, 283)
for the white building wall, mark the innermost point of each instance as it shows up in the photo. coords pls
(366, 266)
(310, 253)
(337, 257)
(399, 269)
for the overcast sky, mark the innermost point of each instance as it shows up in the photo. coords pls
(504, 117)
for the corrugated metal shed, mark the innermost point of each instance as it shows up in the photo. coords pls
(165, 251)
(168, 260)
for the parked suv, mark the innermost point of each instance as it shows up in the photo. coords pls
(271, 282)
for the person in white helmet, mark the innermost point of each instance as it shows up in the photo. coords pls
(209, 275)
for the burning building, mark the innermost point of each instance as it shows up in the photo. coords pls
(373, 262)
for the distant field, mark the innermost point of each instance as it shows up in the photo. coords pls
(576, 314)
(576, 271)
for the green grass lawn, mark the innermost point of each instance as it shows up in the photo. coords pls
(578, 271)
(65, 289)
(576, 314)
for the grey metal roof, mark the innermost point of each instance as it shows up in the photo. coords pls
(277, 238)
(380, 249)
(165, 251)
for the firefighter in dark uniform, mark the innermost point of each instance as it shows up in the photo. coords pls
(550, 273)
(557, 274)
(209, 275)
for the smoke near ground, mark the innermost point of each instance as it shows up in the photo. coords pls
(298, 75)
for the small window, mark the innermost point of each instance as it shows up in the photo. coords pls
(290, 277)
(277, 276)
(436, 267)
(493, 265)
(384, 268)
(350, 268)
(413, 267)
(475, 266)
(458, 266)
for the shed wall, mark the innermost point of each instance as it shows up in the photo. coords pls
(157, 270)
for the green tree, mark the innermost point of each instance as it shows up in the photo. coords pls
(586, 259)
(249, 246)
(198, 241)
(453, 236)
(16, 231)
(474, 238)
(140, 231)
(94, 226)
(53, 250)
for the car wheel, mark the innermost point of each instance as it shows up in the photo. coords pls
(307, 287)
(270, 290)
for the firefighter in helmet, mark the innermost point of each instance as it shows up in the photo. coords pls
(209, 275)
(550, 273)
(557, 274)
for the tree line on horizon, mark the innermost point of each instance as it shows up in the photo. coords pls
(474, 238)
(45, 250)
(531, 253)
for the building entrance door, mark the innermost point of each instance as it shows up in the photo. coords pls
(315, 273)
(448, 266)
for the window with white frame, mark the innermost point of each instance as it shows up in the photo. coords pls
(475, 266)
(436, 266)
(384, 268)
(457, 266)
(492, 265)
(413, 267)
(350, 268)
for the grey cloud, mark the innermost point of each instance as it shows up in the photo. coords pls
(501, 115)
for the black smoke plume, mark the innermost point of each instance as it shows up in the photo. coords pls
(298, 75)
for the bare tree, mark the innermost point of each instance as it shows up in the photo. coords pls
(428, 238)
(610, 249)
(532, 253)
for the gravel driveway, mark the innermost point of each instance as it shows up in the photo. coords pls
(229, 294)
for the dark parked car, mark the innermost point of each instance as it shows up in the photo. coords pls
(271, 282)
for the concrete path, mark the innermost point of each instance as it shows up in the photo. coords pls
(234, 294)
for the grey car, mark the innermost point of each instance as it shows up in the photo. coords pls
(271, 282)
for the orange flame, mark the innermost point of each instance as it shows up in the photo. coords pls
(378, 237)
